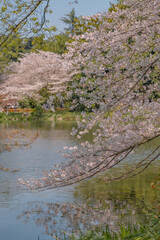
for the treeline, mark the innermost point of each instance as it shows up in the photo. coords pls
(47, 40)
(57, 43)
(18, 46)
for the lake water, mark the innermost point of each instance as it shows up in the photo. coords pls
(42, 215)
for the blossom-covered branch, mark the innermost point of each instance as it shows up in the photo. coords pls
(118, 79)
(20, 16)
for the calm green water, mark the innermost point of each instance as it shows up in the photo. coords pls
(41, 215)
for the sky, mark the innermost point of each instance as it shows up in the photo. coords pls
(83, 8)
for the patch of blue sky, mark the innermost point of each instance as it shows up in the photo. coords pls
(83, 8)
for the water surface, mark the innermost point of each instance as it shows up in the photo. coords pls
(42, 215)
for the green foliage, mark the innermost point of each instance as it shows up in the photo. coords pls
(22, 17)
(33, 104)
(120, 5)
(156, 188)
(10, 117)
(44, 92)
(23, 103)
(82, 25)
(73, 86)
(38, 113)
(28, 103)
(11, 51)
(149, 231)
(1, 115)
(57, 43)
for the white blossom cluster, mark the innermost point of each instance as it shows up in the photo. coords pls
(35, 71)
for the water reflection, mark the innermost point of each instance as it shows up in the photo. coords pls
(28, 215)
(57, 218)
(96, 204)
(28, 162)
(42, 154)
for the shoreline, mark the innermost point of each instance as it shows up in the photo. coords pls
(24, 115)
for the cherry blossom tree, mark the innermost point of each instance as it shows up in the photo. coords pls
(119, 68)
(35, 71)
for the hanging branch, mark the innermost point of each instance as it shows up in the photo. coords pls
(24, 19)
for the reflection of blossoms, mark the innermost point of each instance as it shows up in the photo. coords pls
(11, 138)
(58, 218)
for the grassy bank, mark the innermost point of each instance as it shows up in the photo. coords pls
(43, 115)
(4, 117)
(63, 116)
(148, 231)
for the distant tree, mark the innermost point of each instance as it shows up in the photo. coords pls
(11, 51)
(56, 43)
(33, 72)
(70, 20)
(18, 19)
